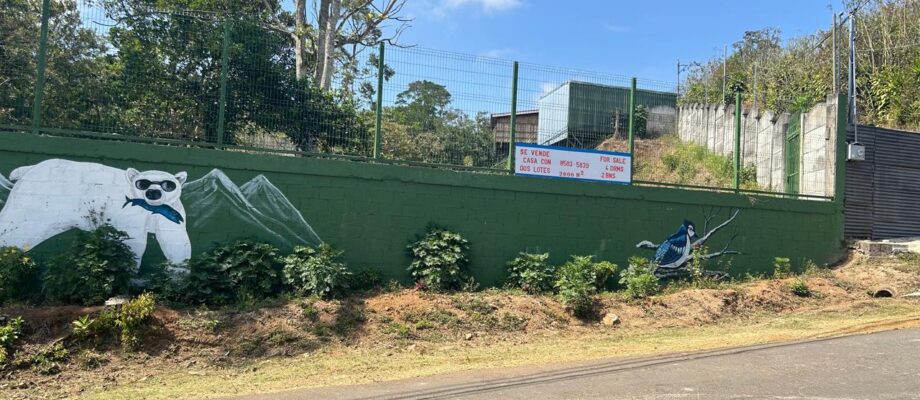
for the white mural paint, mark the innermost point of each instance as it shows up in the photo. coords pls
(57, 195)
(5, 187)
(257, 208)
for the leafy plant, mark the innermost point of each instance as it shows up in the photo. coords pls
(697, 266)
(439, 260)
(84, 327)
(531, 273)
(254, 269)
(800, 288)
(131, 318)
(576, 285)
(692, 162)
(316, 271)
(782, 267)
(47, 361)
(168, 281)
(97, 266)
(9, 335)
(17, 270)
(603, 270)
(126, 322)
(639, 279)
(206, 283)
(367, 279)
(243, 270)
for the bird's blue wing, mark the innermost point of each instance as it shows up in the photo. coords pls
(670, 250)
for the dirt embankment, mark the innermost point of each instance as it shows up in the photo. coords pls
(196, 339)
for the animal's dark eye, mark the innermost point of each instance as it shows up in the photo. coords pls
(168, 186)
(142, 184)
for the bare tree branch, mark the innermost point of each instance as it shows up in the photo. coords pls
(645, 244)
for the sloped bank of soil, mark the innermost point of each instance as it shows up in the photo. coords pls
(228, 341)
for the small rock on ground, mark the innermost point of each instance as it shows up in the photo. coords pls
(611, 319)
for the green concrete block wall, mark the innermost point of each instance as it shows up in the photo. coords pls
(372, 211)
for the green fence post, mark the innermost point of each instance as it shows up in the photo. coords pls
(512, 123)
(224, 70)
(40, 70)
(632, 124)
(737, 150)
(379, 108)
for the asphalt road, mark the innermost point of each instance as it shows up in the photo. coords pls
(883, 365)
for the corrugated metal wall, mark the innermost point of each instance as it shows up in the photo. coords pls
(883, 192)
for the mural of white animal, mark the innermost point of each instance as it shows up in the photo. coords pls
(57, 195)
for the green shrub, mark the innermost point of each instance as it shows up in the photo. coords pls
(799, 288)
(603, 270)
(85, 327)
(206, 283)
(697, 265)
(47, 361)
(576, 285)
(254, 269)
(97, 266)
(125, 322)
(782, 267)
(367, 279)
(315, 271)
(639, 279)
(689, 161)
(531, 273)
(243, 270)
(9, 335)
(17, 270)
(132, 317)
(439, 260)
(168, 281)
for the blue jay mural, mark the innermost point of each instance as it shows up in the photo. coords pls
(675, 250)
(673, 254)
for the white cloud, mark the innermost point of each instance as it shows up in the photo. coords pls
(545, 88)
(487, 6)
(498, 53)
(615, 28)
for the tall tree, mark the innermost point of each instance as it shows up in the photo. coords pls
(336, 29)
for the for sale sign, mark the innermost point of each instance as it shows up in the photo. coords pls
(570, 163)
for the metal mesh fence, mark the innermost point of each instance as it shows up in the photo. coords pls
(19, 40)
(226, 80)
(446, 108)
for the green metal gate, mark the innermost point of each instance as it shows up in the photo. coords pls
(793, 153)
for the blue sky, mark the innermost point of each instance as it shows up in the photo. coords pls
(633, 38)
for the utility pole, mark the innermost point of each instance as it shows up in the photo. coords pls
(834, 62)
(754, 88)
(724, 70)
(678, 78)
(851, 83)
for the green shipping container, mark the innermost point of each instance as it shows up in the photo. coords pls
(584, 114)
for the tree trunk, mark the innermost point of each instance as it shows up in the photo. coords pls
(322, 16)
(329, 44)
(300, 16)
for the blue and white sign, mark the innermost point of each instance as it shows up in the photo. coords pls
(571, 163)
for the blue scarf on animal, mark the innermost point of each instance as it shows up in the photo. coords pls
(163, 209)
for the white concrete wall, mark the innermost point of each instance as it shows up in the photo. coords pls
(763, 137)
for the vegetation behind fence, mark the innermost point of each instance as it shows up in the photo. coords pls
(123, 70)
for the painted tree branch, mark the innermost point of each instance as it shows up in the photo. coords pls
(706, 236)
(725, 251)
(645, 244)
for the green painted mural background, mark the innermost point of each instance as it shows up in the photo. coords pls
(372, 211)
